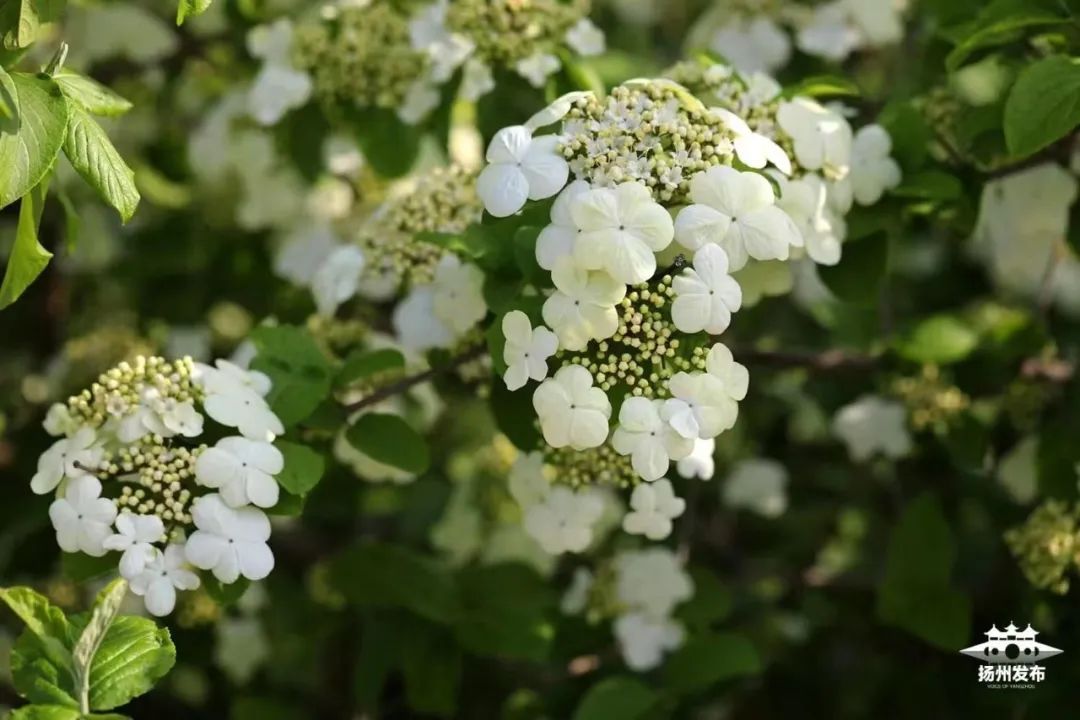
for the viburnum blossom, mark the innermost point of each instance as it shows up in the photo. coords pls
(872, 425)
(82, 517)
(758, 485)
(562, 522)
(621, 229)
(644, 640)
(164, 574)
(71, 457)
(521, 168)
(699, 463)
(644, 433)
(653, 507)
(230, 542)
(873, 171)
(526, 351)
(242, 470)
(582, 308)
(559, 239)
(822, 139)
(705, 294)
(571, 410)
(135, 537)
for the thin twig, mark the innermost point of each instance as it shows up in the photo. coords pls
(407, 383)
(828, 361)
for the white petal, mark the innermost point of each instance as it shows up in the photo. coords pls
(503, 189)
(509, 145)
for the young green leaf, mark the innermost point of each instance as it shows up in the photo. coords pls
(390, 440)
(940, 339)
(191, 8)
(300, 372)
(90, 95)
(706, 660)
(28, 258)
(134, 655)
(92, 154)
(27, 154)
(7, 103)
(21, 20)
(362, 364)
(621, 696)
(43, 620)
(1043, 106)
(303, 468)
(101, 618)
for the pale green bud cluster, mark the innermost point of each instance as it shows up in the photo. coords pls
(337, 335)
(362, 57)
(105, 346)
(644, 352)
(506, 31)
(595, 466)
(117, 392)
(1047, 545)
(656, 133)
(723, 87)
(154, 479)
(932, 401)
(443, 201)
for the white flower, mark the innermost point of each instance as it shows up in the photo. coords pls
(303, 252)
(558, 239)
(878, 21)
(164, 574)
(520, 168)
(247, 412)
(758, 485)
(699, 463)
(59, 421)
(753, 149)
(229, 378)
(556, 110)
(829, 35)
(458, 294)
(720, 363)
(528, 483)
(873, 171)
(621, 229)
(576, 598)
(572, 412)
(271, 43)
(806, 201)
(82, 517)
(135, 537)
(171, 417)
(737, 211)
(645, 435)
(428, 24)
(753, 44)
(229, 541)
(583, 306)
(821, 138)
(653, 507)
(277, 90)
(643, 640)
(705, 295)
(70, 457)
(241, 647)
(476, 80)
(1018, 470)
(873, 425)
(448, 54)
(537, 67)
(420, 99)
(651, 581)
(585, 38)
(563, 521)
(342, 156)
(242, 471)
(708, 403)
(417, 326)
(526, 350)
(337, 279)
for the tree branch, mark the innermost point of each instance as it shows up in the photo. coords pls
(827, 361)
(410, 381)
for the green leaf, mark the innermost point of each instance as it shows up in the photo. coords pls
(190, 8)
(941, 340)
(823, 86)
(303, 468)
(930, 185)
(514, 415)
(90, 95)
(377, 658)
(134, 655)
(505, 612)
(28, 258)
(431, 668)
(21, 20)
(300, 373)
(620, 696)
(8, 105)
(225, 593)
(710, 604)
(93, 155)
(916, 594)
(41, 666)
(362, 364)
(707, 660)
(858, 276)
(43, 620)
(391, 441)
(382, 575)
(45, 712)
(1043, 106)
(106, 607)
(27, 154)
(1000, 23)
(389, 145)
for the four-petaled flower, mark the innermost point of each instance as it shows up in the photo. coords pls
(164, 574)
(820, 137)
(653, 507)
(82, 517)
(873, 171)
(563, 521)
(246, 411)
(621, 229)
(645, 435)
(582, 308)
(737, 211)
(135, 535)
(558, 239)
(526, 350)
(520, 168)
(572, 412)
(705, 295)
(69, 457)
(337, 279)
(230, 542)
(242, 470)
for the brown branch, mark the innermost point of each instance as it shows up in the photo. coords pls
(410, 381)
(828, 361)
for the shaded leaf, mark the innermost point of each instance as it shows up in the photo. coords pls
(391, 441)
(95, 158)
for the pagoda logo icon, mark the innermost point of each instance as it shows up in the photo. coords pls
(1011, 657)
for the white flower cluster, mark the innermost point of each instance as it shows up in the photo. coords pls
(457, 37)
(641, 591)
(756, 35)
(835, 167)
(131, 477)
